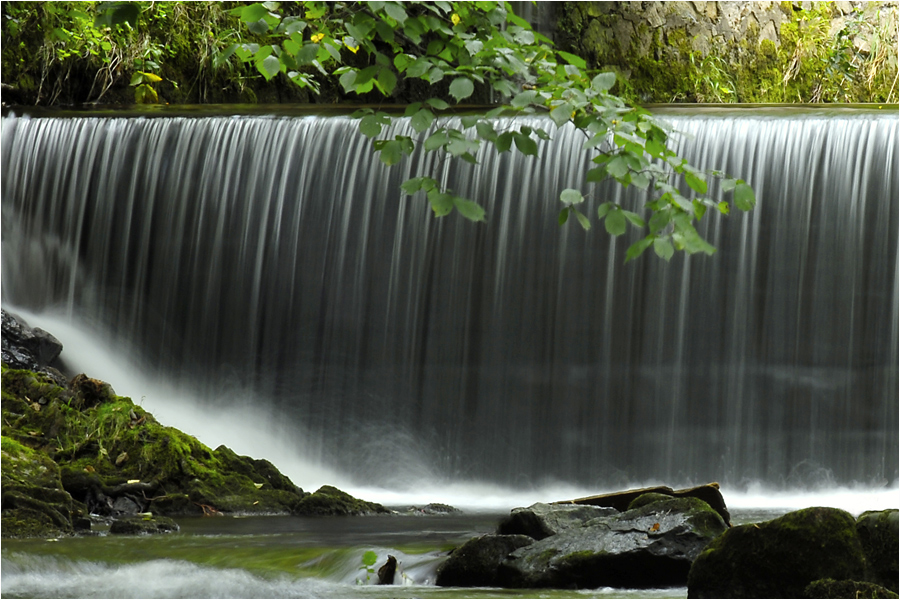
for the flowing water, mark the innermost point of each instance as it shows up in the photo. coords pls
(259, 281)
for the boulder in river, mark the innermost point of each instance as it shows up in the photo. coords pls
(475, 563)
(879, 534)
(649, 546)
(779, 558)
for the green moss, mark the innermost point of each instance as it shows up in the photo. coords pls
(330, 501)
(829, 588)
(779, 558)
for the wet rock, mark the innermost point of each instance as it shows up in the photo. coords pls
(779, 558)
(829, 588)
(879, 534)
(649, 546)
(709, 493)
(543, 520)
(387, 571)
(24, 347)
(330, 501)
(475, 563)
(143, 525)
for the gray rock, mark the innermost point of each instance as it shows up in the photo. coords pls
(650, 546)
(543, 520)
(475, 563)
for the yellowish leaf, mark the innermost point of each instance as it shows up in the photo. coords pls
(317, 37)
(455, 18)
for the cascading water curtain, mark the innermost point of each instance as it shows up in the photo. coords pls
(277, 256)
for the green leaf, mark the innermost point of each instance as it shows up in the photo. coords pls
(569, 197)
(744, 198)
(441, 204)
(573, 59)
(583, 220)
(391, 152)
(663, 248)
(307, 54)
(728, 184)
(617, 167)
(253, 13)
(596, 174)
(640, 180)
(637, 248)
(469, 121)
(615, 222)
(723, 207)
(695, 183)
(269, 67)
(437, 104)
(486, 131)
(634, 219)
(504, 141)
(369, 558)
(422, 120)
(604, 81)
(659, 220)
(436, 140)
(461, 88)
(604, 209)
(525, 144)
(411, 186)
(561, 114)
(470, 210)
(387, 81)
(396, 11)
(369, 126)
(523, 99)
(563, 216)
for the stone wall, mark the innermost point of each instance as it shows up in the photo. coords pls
(758, 51)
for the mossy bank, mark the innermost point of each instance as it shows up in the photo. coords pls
(81, 450)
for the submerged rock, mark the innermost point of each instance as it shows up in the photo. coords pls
(475, 563)
(779, 558)
(143, 525)
(543, 520)
(649, 546)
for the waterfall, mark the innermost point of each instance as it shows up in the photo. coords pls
(276, 256)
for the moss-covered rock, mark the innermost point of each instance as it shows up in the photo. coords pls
(829, 588)
(879, 534)
(330, 501)
(111, 449)
(34, 501)
(779, 558)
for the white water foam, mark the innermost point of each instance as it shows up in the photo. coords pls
(260, 435)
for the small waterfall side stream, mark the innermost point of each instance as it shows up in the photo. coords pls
(272, 262)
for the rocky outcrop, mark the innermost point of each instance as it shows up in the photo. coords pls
(779, 558)
(649, 546)
(879, 534)
(330, 501)
(81, 449)
(475, 563)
